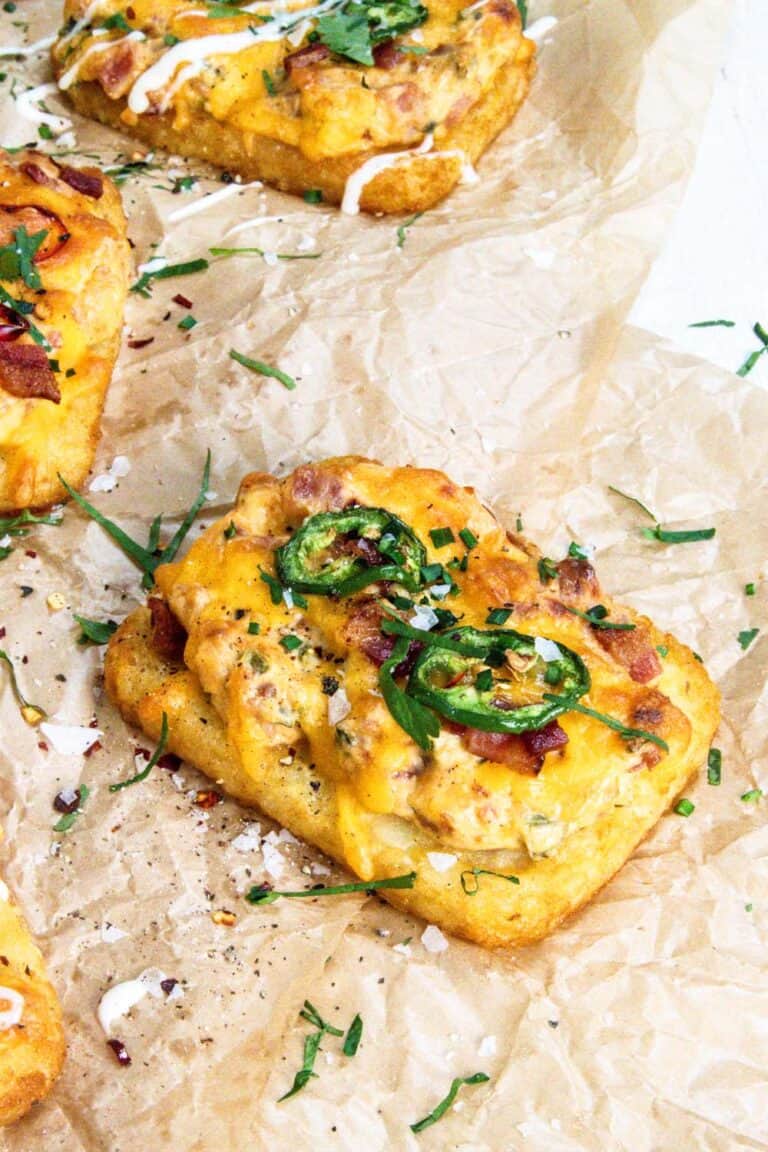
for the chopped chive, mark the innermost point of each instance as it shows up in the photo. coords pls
(547, 570)
(353, 1037)
(662, 650)
(275, 587)
(312, 1016)
(313, 196)
(263, 369)
(431, 572)
(750, 589)
(753, 796)
(498, 615)
(439, 1111)
(230, 531)
(224, 252)
(633, 500)
(665, 536)
(684, 807)
(577, 551)
(475, 872)
(596, 618)
(69, 818)
(753, 358)
(714, 324)
(402, 231)
(484, 680)
(269, 83)
(745, 638)
(263, 894)
(155, 757)
(254, 628)
(519, 523)
(611, 722)
(142, 285)
(187, 323)
(291, 643)
(468, 538)
(441, 537)
(714, 767)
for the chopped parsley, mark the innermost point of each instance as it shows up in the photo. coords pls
(439, 1111)
(662, 650)
(152, 556)
(577, 551)
(353, 29)
(17, 258)
(95, 631)
(230, 531)
(472, 887)
(263, 894)
(117, 21)
(745, 638)
(714, 767)
(684, 807)
(143, 285)
(263, 369)
(150, 764)
(68, 819)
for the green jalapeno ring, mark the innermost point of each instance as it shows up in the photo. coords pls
(473, 706)
(300, 563)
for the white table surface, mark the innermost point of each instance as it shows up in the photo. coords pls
(715, 262)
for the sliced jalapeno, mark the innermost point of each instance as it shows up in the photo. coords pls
(337, 553)
(496, 681)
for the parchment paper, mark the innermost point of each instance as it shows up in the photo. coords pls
(489, 345)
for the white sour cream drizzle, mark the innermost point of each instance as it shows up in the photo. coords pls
(28, 49)
(10, 1016)
(539, 29)
(26, 106)
(118, 1000)
(83, 22)
(196, 52)
(206, 201)
(367, 172)
(67, 79)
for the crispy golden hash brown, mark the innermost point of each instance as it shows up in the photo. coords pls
(303, 95)
(31, 1034)
(369, 657)
(63, 280)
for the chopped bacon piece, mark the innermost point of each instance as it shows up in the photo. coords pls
(634, 650)
(12, 324)
(89, 183)
(306, 57)
(577, 577)
(357, 546)
(502, 748)
(37, 174)
(33, 220)
(168, 635)
(117, 65)
(25, 372)
(546, 739)
(387, 55)
(311, 489)
(363, 631)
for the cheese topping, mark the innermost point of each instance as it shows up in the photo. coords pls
(68, 78)
(11, 1008)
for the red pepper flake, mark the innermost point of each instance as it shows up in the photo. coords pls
(181, 301)
(208, 799)
(2, 633)
(140, 343)
(168, 985)
(43, 746)
(120, 1051)
(95, 747)
(32, 555)
(67, 801)
(170, 762)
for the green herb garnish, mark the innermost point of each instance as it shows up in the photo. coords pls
(750, 589)
(753, 358)
(419, 722)
(187, 323)
(475, 872)
(353, 1037)
(263, 369)
(666, 536)
(438, 1112)
(312, 196)
(24, 308)
(547, 570)
(522, 7)
(468, 538)
(714, 766)
(753, 796)
(441, 537)
(291, 643)
(263, 894)
(254, 628)
(402, 233)
(17, 258)
(745, 638)
(498, 616)
(597, 618)
(152, 556)
(275, 587)
(69, 818)
(684, 807)
(150, 765)
(95, 631)
(143, 285)
(224, 252)
(21, 525)
(611, 722)
(633, 500)
(269, 83)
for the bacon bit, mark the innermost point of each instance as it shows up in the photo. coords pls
(222, 916)
(116, 70)
(33, 556)
(634, 650)
(34, 220)
(120, 1051)
(503, 748)
(168, 635)
(95, 747)
(205, 798)
(182, 301)
(140, 343)
(12, 324)
(387, 55)
(42, 746)
(36, 174)
(67, 806)
(170, 762)
(2, 633)
(546, 739)
(25, 372)
(306, 57)
(89, 184)
(168, 985)
(577, 578)
(312, 489)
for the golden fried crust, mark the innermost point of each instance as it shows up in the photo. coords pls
(85, 282)
(32, 1051)
(315, 135)
(372, 800)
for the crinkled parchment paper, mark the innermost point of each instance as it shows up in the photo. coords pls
(490, 344)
